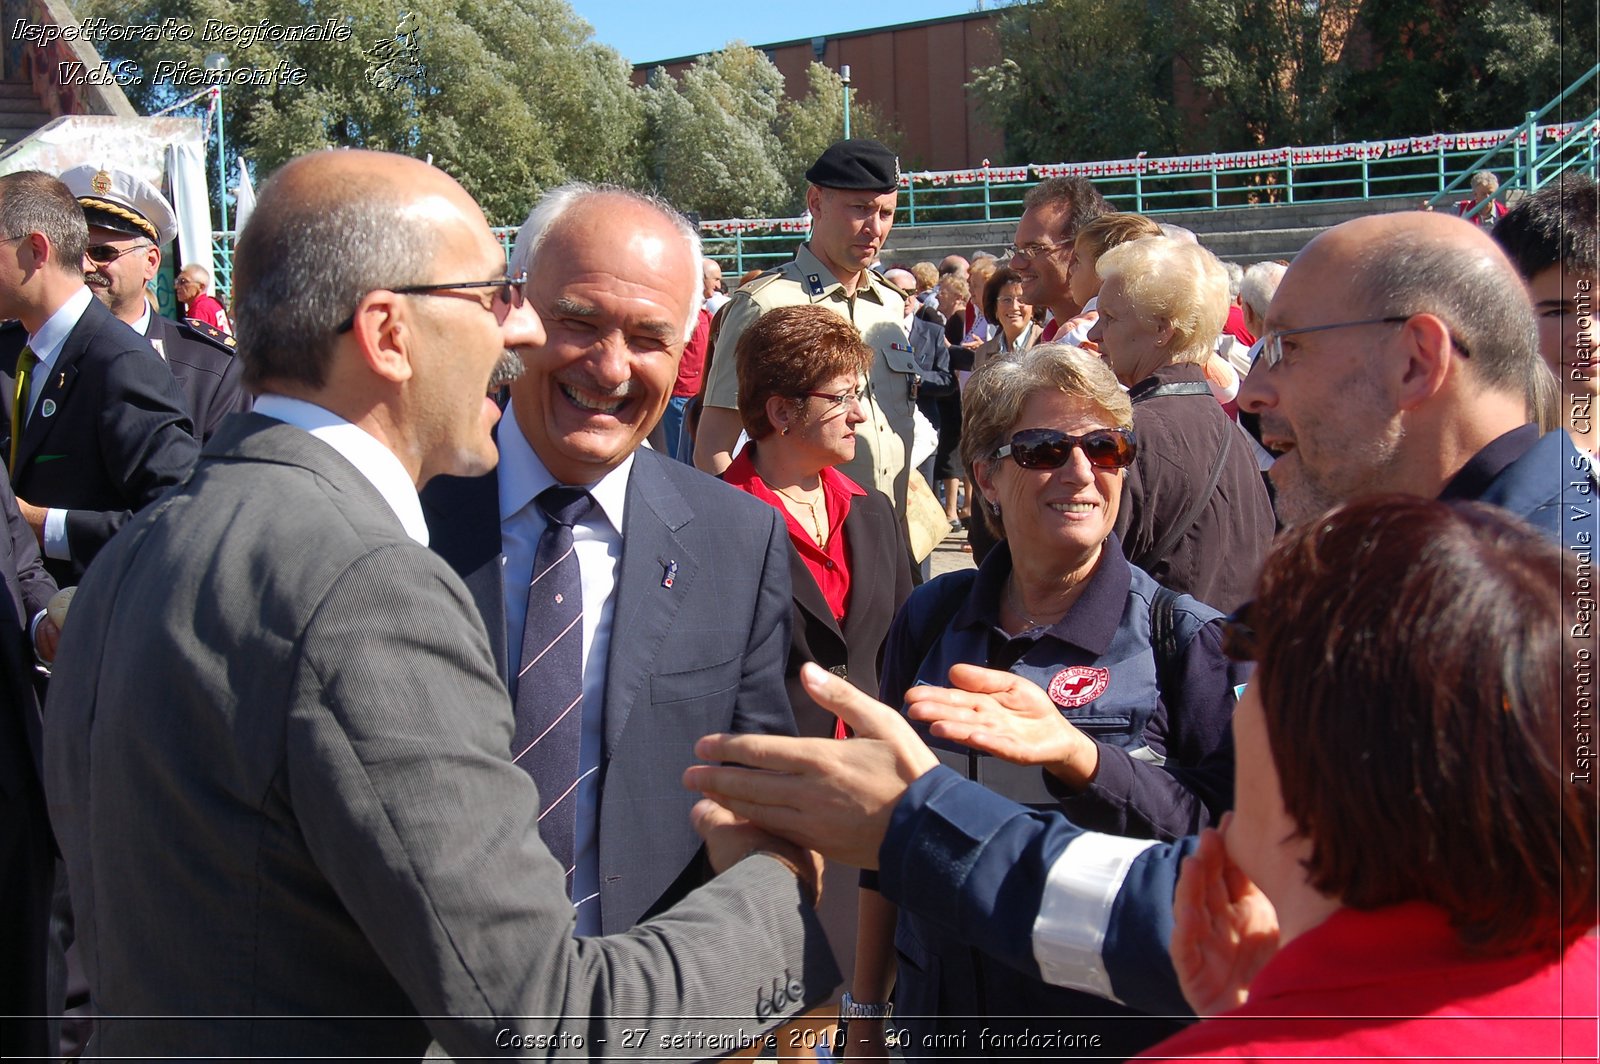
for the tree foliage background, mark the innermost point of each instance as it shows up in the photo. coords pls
(1087, 79)
(512, 97)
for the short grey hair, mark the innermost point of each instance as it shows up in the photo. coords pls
(1235, 274)
(1475, 292)
(558, 201)
(200, 275)
(1260, 284)
(1178, 282)
(996, 394)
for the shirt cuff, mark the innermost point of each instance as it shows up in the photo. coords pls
(55, 536)
(1079, 892)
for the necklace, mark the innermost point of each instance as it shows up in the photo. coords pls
(1016, 604)
(819, 531)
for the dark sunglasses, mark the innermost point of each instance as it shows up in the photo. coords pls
(509, 286)
(1049, 449)
(106, 254)
(1239, 633)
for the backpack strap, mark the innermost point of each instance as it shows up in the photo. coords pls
(1164, 639)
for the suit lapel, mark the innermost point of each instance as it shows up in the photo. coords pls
(645, 611)
(463, 515)
(808, 594)
(866, 567)
(53, 399)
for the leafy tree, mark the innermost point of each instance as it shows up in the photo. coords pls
(712, 133)
(726, 142)
(1081, 79)
(1447, 65)
(509, 96)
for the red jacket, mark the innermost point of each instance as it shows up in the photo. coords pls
(1396, 983)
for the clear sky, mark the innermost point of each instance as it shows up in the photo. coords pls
(643, 30)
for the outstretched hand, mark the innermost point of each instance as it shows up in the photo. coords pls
(1007, 717)
(1223, 928)
(829, 795)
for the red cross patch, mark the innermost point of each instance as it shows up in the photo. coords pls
(1078, 685)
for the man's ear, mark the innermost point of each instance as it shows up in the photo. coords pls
(1427, 346)
(383, 334)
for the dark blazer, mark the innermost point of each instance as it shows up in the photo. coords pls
(265, 666)
(1218, 557)
(880, 580)
(118, 434)
(209, 374)
(933, 366)
(27, 849)
(705, 655)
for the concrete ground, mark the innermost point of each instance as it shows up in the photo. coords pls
(948, 555)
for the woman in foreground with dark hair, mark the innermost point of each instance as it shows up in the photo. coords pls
(1410, 867)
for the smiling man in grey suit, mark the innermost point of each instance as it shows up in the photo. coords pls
(271, 668)
(683, 581)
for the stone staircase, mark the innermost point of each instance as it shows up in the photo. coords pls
(20, 112)
(1236, 234)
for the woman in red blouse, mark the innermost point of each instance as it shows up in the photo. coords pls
(801, 372)
(801, 381)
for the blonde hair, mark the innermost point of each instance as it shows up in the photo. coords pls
(1177, 282)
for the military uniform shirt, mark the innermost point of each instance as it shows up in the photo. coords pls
(877, 311)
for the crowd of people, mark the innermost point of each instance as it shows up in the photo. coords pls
(472, 656)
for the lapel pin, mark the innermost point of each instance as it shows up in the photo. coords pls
(48, 407)
(670, 575)
(61, 382)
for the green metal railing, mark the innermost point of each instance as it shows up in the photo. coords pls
(1432, 168)
(1532, 165)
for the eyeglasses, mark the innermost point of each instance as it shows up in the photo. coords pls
(509, 287)
(106, 254)
(1239, 633)
(1049, 449)
(1034, 251)
(857, 396)
(1272, 343)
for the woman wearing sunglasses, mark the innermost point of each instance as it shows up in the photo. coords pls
(1197, 516)
(1409, 871)
(1135, 676)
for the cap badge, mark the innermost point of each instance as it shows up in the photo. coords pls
(101, 183)
(897, 169)
(1078, 685)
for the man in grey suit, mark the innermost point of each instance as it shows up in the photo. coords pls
(271, 668)
(684, 580)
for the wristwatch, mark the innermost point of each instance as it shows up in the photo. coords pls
(851, 1009)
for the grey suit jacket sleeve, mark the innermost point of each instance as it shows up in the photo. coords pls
(392, 734)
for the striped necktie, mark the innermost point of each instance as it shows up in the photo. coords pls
(549, 705)
(19, 402)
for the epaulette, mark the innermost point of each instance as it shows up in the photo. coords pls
(204, 330)
(757, 283)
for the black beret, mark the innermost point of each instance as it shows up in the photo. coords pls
(856, 164)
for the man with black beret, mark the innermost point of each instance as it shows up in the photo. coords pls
(851, 199)
(129, 222)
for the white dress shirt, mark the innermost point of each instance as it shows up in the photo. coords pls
(597, 541)
(361, 449)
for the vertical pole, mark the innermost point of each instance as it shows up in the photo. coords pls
(222, 160)
(844, 76)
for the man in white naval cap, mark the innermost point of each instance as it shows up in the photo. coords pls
(129, 222)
